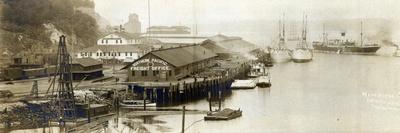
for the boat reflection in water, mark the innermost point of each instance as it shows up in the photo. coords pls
(137, 103)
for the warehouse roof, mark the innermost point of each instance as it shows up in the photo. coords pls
(86, 62)
(210, 45)
(181, 56)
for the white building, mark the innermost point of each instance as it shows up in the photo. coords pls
(123, 53)
(120, 38)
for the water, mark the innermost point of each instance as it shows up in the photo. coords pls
(333, 93)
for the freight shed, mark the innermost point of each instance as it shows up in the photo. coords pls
(86, 67)
(170, 64)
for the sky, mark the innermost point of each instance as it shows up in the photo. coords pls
(244, 17)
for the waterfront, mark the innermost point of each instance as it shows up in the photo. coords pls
(333, 93)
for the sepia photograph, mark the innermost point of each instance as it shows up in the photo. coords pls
(199, 66)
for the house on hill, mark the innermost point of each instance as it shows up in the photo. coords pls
(120, 38)
(170, 64)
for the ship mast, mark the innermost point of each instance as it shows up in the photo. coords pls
(361, 34)
(281, 32)
(304, 33)
(324, 36)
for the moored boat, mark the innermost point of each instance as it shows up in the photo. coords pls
(256, 70)
(302, 53)
(344, 46)
(225, 114)
(280, 55)
(264, 81)
(244, 84)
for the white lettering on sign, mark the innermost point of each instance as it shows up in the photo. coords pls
(149, 65)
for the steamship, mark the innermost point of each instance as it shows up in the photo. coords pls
(340, 46)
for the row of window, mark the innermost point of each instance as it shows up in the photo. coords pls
(106, 41)
(155, 73)
(88, 54)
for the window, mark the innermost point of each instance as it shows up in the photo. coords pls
(155, 73)
(131, 53)
(102, 41)
(120, 41)
(116, 41)
(126, 53)
(82, 54)
(119, 53)
(144, 73)
(90, 54)
(100, 54)
(133, 73)
(97, 54)
(106, 41)
(169, 73)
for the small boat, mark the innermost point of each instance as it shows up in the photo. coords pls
(263, 81)
(226, 114)
(256, 70)
(136, 103)
(244, 84)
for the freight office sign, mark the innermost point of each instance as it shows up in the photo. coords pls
(150, 64)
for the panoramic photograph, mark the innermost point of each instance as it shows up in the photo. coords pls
(199, 66)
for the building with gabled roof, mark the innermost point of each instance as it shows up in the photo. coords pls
(234, 44)
(170, 64)
(86, 68)
(120, 38)
(122, 53)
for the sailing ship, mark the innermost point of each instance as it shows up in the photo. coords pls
(340, 46)
(281, 53)
(302, 53)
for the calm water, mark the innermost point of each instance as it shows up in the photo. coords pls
(333, 93)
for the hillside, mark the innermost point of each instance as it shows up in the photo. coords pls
(33, 26)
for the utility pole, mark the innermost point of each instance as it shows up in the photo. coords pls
(35, 91)
(183, 120)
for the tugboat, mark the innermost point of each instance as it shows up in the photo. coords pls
(302, 53)
(264, 80)
(226, 114)
(340, 46)
(260, 75)
(136, 103)
(281, 53)
(256, 70)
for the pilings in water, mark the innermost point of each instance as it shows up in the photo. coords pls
(183, 92)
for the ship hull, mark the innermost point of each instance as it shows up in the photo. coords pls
(302, 55)
(280, 55)
(348, 49)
